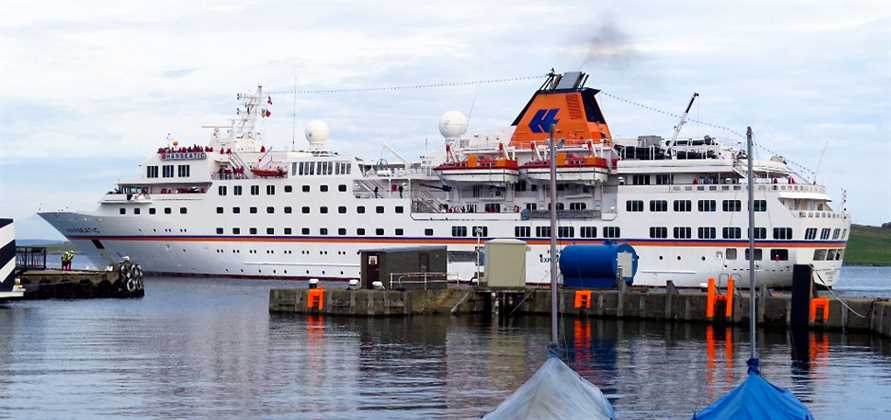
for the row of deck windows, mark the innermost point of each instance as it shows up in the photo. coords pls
(683, 232)
(307, 210)
(775, 254)
(270, 189)
(687, 205)
(837, 233)
(182, 171)
(321, 168)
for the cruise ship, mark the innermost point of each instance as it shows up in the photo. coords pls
(236, 208)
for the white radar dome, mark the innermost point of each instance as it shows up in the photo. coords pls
(452, 124)
(317, 132)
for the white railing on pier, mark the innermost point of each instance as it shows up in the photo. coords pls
(425, 279)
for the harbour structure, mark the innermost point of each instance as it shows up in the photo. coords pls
(234, 207)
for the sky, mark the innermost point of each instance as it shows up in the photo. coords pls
(91, 88)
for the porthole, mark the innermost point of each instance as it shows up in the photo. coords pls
(679, 257)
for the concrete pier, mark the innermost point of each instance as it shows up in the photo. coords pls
(77, 284)
(655, 304)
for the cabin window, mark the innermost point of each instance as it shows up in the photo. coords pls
(782, 233)
(168, 210)
(287, 209)
(219, 210)
(706, 233)
(236, 231)
(323, 231)
(819, 254)
(758, 254)
(565, 231)
(151, 210)
(459, 231)
(323, 188)
(760, 233)
(304, 188)
(428, 232)
(611, 232)
(379, 209)
(658, 205)
(640, 179)
(543, 231)
(253, 210)
(759, 205)
(810, 234)
(323, 210)
(341, 188)
(531, 206)
(221, 190)
(123, 210)
(682, 232)
(253, 231)
(663, 179)
(779, 255)
(706, 205)
(270, 231)
(379, 231)
(577, 206)
(360, 231)
(255, 190)
(731, 233)
(151, 172)
(480, 231)
(304, 231)
(304, 209)
(236, 210)
(136, 210)
(682, 205)
(589, 231)
(399, 209)
(288, 188)
(236, 190)
(341, 209)
(731, 205)
(287, 231)
(270, 210)
(496, 208)
(399, 231)
(360, 209)
(270, 190)
(634, 205)
(658, 232)
(730, 253)
(167, 171)
(522, 231)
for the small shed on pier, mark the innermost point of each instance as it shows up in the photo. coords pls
(421, 267)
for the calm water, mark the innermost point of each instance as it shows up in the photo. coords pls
(202, 348)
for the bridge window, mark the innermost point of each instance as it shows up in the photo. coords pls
(151, 171)
(221, 190)
(782, 233)
(682, 205)
(522, 231)
(255, 190)
(731, 233)
(658, 205)
(731, 205)
(589, 231)
(183, 171)
(640, 179)
(658, 232)
(810, 234)
(270, 190)
(824, 234)
(167, 171)
(634, 205)
(612, 232)
(836, 233)
(706, 205)
(706, 233)
(663, 179)
(236, 190)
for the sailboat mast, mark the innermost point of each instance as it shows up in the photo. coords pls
(553, 213)
(751, 207)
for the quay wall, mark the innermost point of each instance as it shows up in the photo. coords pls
(653, 304)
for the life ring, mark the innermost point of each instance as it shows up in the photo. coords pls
(131, 285)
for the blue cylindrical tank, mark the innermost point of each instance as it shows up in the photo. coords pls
(596, 266)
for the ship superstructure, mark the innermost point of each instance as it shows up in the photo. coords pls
(235, 208)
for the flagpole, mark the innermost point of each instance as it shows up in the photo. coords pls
(750, 178)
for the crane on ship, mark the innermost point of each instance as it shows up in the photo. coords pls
(677, 128)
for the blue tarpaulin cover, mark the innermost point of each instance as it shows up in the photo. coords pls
(555, 391)
(756, 398)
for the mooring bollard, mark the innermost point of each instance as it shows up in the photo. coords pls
(315, 299)
(582, 299)
(713, 297)
(818, 303)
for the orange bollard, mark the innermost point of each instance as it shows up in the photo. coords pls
(710, 299)
(315, 299)
(818, 303)
(713, 297)
(583, 298)
(728, 307)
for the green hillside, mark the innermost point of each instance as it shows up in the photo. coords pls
(868, 245)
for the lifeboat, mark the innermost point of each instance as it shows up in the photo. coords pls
(588, 169)
(481, 169)
(269, 172)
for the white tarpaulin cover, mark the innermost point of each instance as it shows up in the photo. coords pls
(554, 392)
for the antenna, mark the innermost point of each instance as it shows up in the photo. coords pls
(294, 117)
(820, 162)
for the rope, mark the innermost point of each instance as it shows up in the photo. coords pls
(406, 87)
(836, 297)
